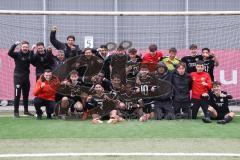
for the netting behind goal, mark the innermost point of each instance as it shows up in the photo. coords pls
(219, 33)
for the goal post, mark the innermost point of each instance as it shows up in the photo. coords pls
(217, 30)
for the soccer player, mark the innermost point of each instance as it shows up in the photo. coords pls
(201, 84)
(133, 64)
(152, 57)
(22, 61)
(210, 61)
(73, 100)
(44, 92)
(191, 60)
(171, 61)
(182, 83)
(104, 82)
(59, 59)
(163, 106)
(102, 52)
(218, 101)
(42, 59)
(116, 64)
(70, 48)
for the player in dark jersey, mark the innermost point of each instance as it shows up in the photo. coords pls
(191, 60)
(210, 61)
(70, 95)
(218, 101)
(133, 65)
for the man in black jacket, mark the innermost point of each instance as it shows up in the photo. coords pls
(69, 48)
(182, 83)
(42, 59)
(22, 60)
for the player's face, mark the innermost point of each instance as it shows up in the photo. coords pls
(60, 56)
(161, 70)
(199, 68)
(133, 55)
(116, 82)
(103, 51)
(74, 78)
(70, 41)
(99, 89)
(216, 88)
(88, 54)
(181, 70)
(25, 48)
(193, 51)
(172, 55)
(205, 53)
(40, 49)
(120, 52)
(48, 76)
(144, 72)
(100, 77)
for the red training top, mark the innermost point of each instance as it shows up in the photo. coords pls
(197, 87)
(152, 60)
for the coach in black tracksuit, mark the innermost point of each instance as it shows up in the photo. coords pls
(182, 83)
(69, 48)
(22, 60)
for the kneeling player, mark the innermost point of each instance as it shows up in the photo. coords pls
(219, 104)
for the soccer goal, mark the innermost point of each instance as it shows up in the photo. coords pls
(217, 30)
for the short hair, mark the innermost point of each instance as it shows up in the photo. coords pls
(152, 47)
(206, 49)
(73, 72)
(199, 62)
(144, 65)
(39, 44)
(120, 48)
(132, 51)
(181, 64)
(193, 46)
(71, 36)
(173, 49)
(104, 46)
(25, 42)
(216, 83)
(116, 76)
(47, 70)
(86, 49)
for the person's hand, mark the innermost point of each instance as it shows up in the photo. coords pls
(54, 28)
(33, 47)
(204, 84)
(42, 85)
(17, 43)
(223, 95)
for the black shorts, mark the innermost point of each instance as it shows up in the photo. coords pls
(220, 116)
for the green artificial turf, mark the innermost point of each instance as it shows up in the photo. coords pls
(26, 127)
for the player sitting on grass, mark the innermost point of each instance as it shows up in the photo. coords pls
(218, 101)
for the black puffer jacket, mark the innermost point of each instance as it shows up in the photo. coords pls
(182, 86)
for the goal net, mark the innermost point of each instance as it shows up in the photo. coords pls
(218, 31)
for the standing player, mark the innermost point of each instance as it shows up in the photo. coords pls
(22, 61)
(210, 61)
(201, 84)
(171, 61)
(42, 59)
(182, 83)
(70, 48)
(133, 64)
(152, 57)
(191, 60)
(219, 104)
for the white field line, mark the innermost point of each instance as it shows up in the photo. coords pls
(120, 154)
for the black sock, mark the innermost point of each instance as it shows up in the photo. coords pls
(228, 119)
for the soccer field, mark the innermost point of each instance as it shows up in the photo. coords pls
(27, 138)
